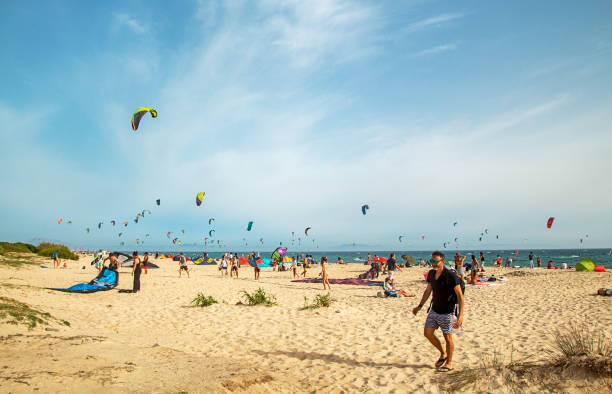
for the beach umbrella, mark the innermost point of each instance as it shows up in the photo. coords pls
(379, 259)
(408, 258)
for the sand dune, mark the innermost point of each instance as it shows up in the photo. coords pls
(154, 341)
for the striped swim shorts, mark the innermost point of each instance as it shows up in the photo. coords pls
(436, 320)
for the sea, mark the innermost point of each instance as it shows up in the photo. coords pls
(558, 256)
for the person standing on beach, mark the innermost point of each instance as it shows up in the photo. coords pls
(482, 262)
(183, 265)
(391, 267)
(539, 262)
(294, 268)
(145, 263)
(459, 259)
(530, 258)
(324, 276)
(446, 287)
(305, 266)
(136, 270)
(114, 263)
(234, 262)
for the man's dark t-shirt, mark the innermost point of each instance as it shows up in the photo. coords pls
(443, 290)
(391, 264)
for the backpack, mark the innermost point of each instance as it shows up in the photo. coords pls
(453, 296)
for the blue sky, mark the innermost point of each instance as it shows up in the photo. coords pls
(294, 114)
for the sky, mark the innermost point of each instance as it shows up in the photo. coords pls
(292, 114)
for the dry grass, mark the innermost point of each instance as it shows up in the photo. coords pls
(575, 351)
(16, 312)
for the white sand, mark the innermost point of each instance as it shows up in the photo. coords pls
(154, 341)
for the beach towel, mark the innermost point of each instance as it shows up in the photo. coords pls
(348, 281)
(106, 280)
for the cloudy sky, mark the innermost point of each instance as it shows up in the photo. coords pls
(294, 114)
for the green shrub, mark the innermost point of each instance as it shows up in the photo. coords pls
(47, 249)
(19, 247)
(259, 297)
(201, 300)
(320, 301)
(15, 312)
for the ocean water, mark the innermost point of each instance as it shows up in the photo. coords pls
(558, 256)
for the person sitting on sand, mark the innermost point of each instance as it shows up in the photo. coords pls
(324, 275)
(340, 260)
(391, 290)
(183, 265)
(550, 265)
(473, 279)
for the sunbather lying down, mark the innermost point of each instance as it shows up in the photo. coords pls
(391, 291)
(604, 292)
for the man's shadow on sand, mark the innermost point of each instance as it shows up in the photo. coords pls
(332, 358)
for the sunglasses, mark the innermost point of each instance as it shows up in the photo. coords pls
(432, 261)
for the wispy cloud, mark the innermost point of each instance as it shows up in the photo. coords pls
(432, 22)
(122, 19)
(437, 49)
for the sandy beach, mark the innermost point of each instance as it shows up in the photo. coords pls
(154, 341)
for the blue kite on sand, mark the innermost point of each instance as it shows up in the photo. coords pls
(106, 280)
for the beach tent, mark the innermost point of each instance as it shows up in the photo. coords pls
(585, 265)
(106, 280)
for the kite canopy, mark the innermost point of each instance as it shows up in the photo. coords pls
(250, 226)
(278, 254)
(306, 230)
(139, 114)
(210, 220)
(199, 198)
(158, 201)
(586, 265)
(210, 233)
(455, 224)
(364, 208)
(59, 220)
(106, 280)
(550, 221)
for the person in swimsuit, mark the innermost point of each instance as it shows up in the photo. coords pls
(183, 265)
(390, 290)
(482, 262)
(145, 261)
(305, 266)
(294, 268)
(235, 264)
(256, 269)
(459, 259)
(324, 276)
(113, 265)
(136, 270)
(224, 265)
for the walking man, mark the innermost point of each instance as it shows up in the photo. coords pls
(446, 287)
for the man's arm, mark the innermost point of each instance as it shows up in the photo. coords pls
(460, 301)
(426, 294)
